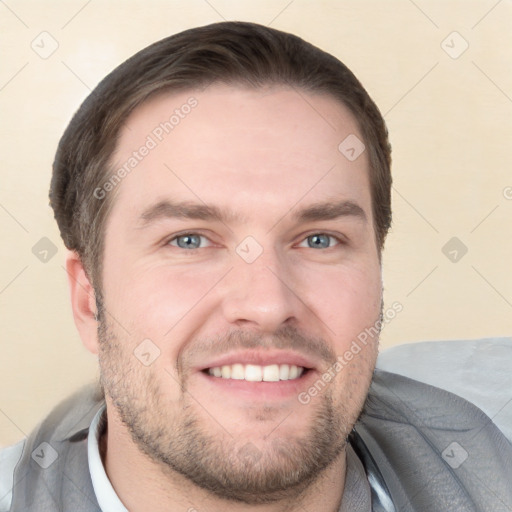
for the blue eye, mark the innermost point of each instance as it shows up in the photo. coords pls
(187, 241)
(320, 241)
(194, 241)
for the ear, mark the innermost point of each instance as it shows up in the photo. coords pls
(83, 302)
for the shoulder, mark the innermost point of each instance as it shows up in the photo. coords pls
(9, 458)
(65, 429)
(434, 446)
(477, 370)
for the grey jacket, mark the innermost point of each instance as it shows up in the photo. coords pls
(423, 448)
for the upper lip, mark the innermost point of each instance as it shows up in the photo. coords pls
(261, 358)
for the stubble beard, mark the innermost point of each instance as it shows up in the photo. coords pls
(176, 437)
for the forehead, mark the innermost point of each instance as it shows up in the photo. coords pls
(251, 148)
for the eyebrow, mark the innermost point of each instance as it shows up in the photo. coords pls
(331, 211)
(187, 210)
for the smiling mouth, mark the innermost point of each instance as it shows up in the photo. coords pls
(257, 373)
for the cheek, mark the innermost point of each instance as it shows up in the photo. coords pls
(354, 378)
(347, 300)
(152, 300)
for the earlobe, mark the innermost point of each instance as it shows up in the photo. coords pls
(83, 301)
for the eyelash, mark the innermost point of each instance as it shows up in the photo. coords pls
(339, 240)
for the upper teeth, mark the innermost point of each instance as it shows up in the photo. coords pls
(255, 373)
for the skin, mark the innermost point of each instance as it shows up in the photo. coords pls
(264, 154)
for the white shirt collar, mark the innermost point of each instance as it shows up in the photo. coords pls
(105, 494)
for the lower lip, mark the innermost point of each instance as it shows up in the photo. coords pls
(262, 390)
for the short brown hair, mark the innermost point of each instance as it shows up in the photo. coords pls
(230, 52)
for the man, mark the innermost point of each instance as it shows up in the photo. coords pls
(225, 196)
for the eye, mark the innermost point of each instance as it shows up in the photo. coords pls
(188, 241)
(319, 241)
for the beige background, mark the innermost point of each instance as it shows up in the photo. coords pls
(450, 121)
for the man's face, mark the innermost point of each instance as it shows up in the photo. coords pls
(240, 247)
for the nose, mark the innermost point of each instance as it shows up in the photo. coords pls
(262, 294)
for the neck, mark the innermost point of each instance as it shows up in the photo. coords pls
(142, 484)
